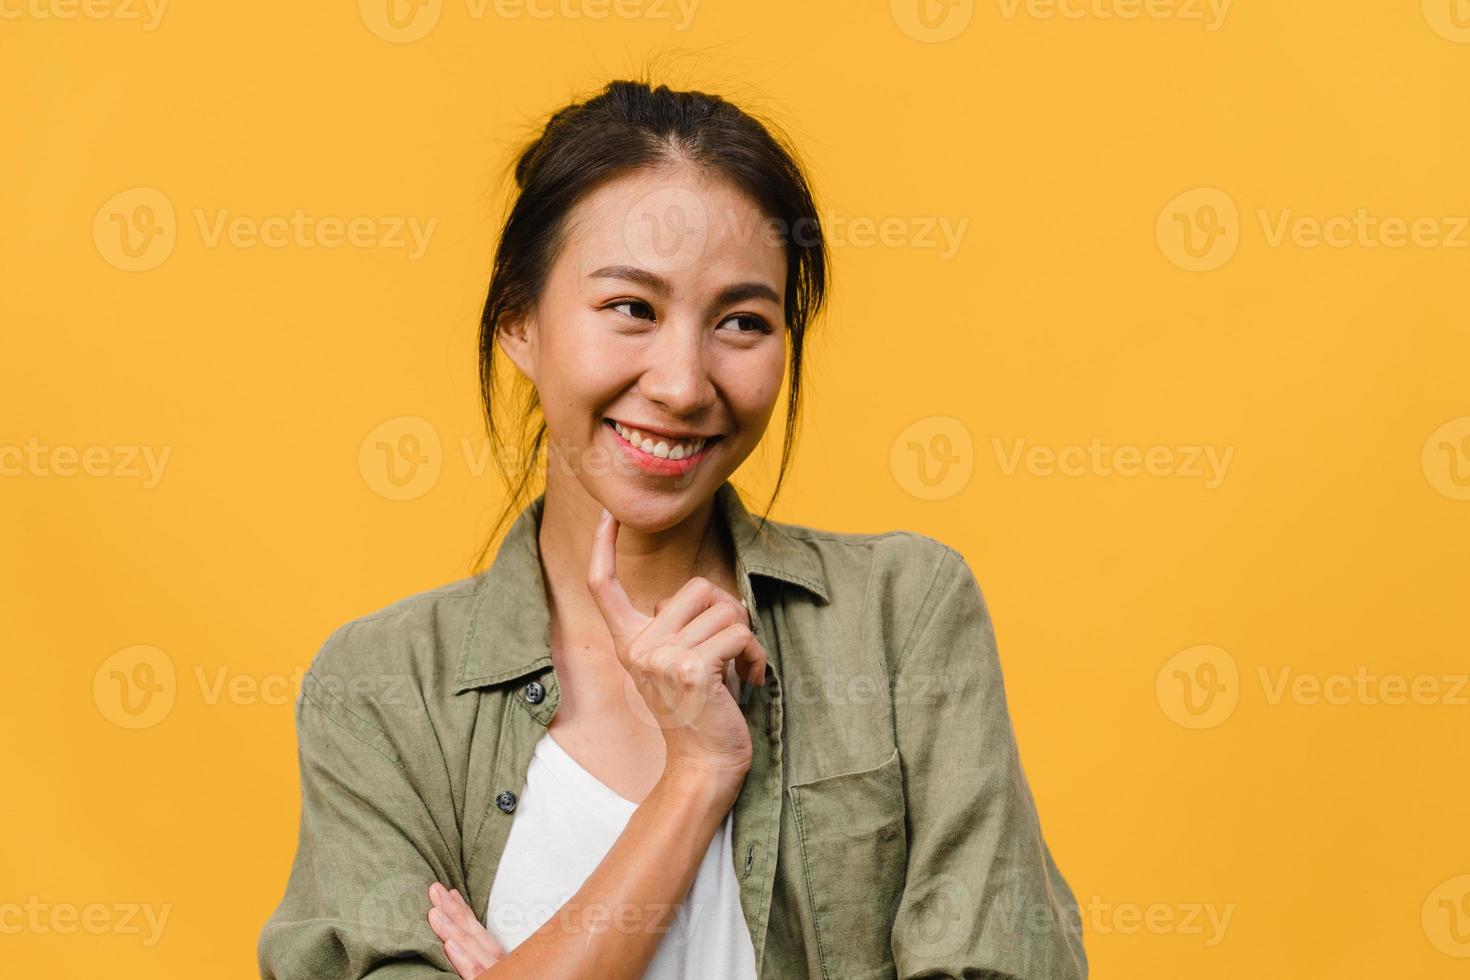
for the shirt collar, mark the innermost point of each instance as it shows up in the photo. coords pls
(509, 633)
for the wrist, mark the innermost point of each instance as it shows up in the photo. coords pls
(706, 790)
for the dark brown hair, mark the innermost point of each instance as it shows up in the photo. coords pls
(627, 126)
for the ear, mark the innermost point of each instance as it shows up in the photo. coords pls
(517, 337)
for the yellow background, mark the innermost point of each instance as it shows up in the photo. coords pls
(1334, 543)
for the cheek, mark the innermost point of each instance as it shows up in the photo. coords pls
(577, 362)
(759, 384)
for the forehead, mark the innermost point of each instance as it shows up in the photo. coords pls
(692, 229)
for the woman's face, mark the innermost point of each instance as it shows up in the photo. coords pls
(664, 314)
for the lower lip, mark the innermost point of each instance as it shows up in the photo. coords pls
(653, 465)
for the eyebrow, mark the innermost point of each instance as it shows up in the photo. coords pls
(733, 293)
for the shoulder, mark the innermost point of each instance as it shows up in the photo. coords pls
(902, 565)
(418, 630)
(379, 680)
(888, 586)
(901, 602)
(895, 542)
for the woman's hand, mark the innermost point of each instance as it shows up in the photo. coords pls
(677, 659)
(467, 943)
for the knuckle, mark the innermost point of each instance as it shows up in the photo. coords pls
(688, 672)
(656, 662)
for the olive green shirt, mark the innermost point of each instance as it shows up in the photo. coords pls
(885, 828)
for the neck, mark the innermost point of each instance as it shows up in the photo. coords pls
(652, 563)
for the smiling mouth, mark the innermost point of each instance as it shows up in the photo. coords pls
(661, 446)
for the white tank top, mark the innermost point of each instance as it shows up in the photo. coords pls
(565, 822)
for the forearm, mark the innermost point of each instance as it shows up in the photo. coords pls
(612, 926)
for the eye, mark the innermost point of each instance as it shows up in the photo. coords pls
(634, 306)
(759, 323)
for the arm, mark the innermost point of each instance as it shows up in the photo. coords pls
(679, 660)
(368, 848)
(612, 926)
(982, 896)
(357, 899)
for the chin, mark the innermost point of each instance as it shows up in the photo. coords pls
(651, 509)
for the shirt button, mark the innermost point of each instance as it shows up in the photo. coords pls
(534, 692)
(506, 800)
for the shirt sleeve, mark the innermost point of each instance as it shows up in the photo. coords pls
(982, 896)
(356, 901)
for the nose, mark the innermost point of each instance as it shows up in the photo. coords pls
(676, 375)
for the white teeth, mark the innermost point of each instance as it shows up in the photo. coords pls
(662, 448)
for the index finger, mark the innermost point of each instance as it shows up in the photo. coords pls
(623, 619)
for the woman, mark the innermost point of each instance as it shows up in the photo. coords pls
(657, 737)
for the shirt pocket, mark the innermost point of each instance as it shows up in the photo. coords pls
(853, 852)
